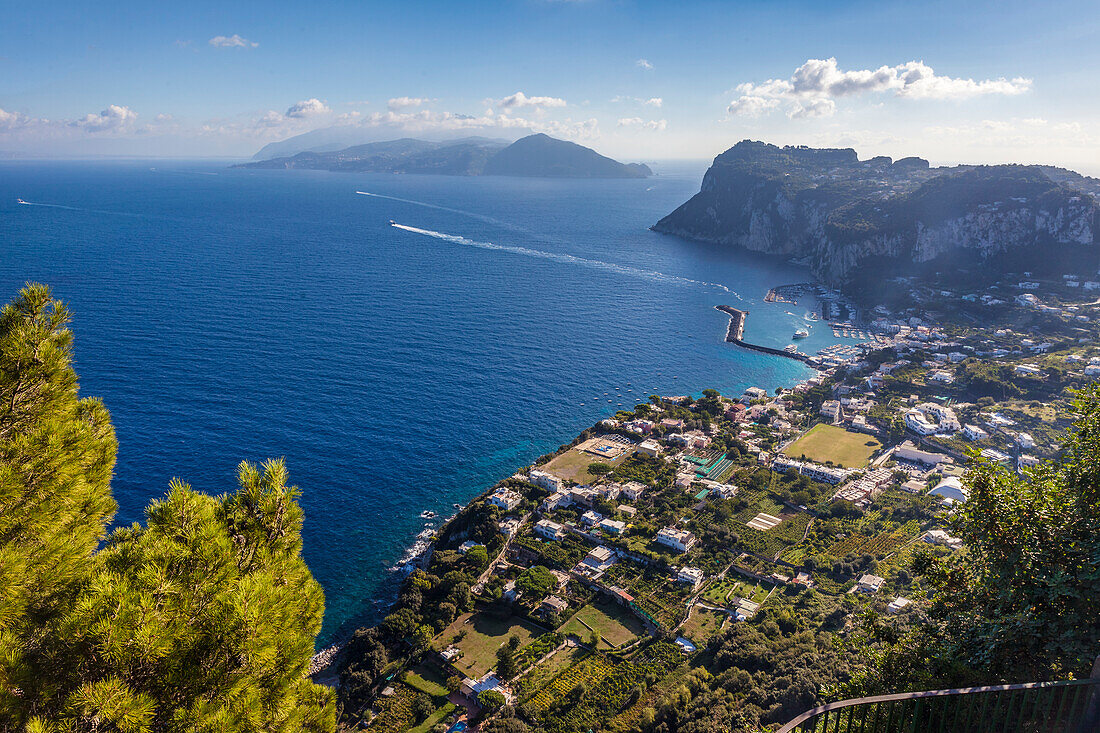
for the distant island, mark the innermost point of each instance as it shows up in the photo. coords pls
(534, 156)
(858, 224)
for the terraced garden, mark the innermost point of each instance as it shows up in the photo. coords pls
(615, 624)
(879, 544)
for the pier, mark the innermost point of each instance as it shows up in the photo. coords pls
(735, 334)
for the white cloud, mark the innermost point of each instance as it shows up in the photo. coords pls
(651, 102)
(812, 108)
(644, 124)
(519, 100)
(399, 103)
(112, 119)
(643, 64)
(10, 121)
(307, 108)
(814, 86)
(751, 106)
(233, 41)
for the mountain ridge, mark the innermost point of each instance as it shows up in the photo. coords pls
(536, 155)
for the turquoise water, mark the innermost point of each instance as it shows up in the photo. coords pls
(229, 314)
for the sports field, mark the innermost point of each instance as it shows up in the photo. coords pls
(830, 443)
(573, 464)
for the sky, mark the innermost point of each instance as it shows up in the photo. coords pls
(954, 82)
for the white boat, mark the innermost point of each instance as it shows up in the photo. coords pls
(20, 201)
(801, 333)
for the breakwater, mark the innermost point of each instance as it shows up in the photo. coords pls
(735, 334)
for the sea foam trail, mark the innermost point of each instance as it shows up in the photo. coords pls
(76, 208)
(567, 259)
(460, 212)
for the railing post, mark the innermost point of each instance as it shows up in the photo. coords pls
(1090, 721)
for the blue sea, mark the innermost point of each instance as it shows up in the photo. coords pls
(227, 314)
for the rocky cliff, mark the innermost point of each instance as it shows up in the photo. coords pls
(855, 221)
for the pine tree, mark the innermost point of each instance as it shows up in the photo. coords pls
(57, 454)
(202, 620)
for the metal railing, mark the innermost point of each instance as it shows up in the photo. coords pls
(1037, 707)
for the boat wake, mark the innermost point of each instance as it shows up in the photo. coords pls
(567, 259)
(77, 208)
(460, 212)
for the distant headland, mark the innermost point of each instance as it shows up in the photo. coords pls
(534, 156)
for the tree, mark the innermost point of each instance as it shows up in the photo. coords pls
(599, 468)
(1021, 602)
(477, 557)
(506, 662)
(491, 700)
(57, 453)
(204, 619)
(206, 615)
(422, 707)
(454, 683)
(535, 582)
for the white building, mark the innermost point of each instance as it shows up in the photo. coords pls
(612, 526)
(951, 489)
(973, 432)
(545, 480)
(897, 605)
(1027, 370)
(941, 376)
(752, 394)
(869, 584)
(506, 499)
(591, 519)
(649, 448)
(907, 451)
(690, 575)
(633, 490)
(555, 501)
(677, 539)
(550, 530)
(916, 421)
(939, 537)
(599, 558)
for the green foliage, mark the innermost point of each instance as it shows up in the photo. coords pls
(57, 453)
(535, 582)
(478, 557)
(599, 468)
(491, 700)
(1021, 602)
(203, 620)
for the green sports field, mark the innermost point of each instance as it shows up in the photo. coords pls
(823, 443)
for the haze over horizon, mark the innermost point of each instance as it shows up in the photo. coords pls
(986, 83)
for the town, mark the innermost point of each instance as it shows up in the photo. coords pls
(577, 592)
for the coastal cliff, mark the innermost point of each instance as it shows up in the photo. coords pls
(857, 221)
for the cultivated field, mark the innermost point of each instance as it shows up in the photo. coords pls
(829, 443)
(614, 623)
(483, 636)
